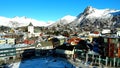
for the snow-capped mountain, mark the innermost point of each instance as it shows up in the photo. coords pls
(97, 18)
(21, 21)
(68, 19)
(64, 20)
(90, 18)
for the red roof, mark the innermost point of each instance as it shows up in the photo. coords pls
(29, 41)
(74, 40)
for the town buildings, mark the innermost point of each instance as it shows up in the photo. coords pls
(28, 44)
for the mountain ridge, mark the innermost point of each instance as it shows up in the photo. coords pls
(64, 21)
(89, 18)
(97, 18)
(21, 21)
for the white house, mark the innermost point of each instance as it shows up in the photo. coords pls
(118, 33)
(30, 28)
(10, 41)
(106, 31)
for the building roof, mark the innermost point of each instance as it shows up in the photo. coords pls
(5, 46)
(30, 24)
(21, 45)
(64, 47)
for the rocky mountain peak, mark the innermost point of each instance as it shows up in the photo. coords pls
(89, 10)
(97, 18)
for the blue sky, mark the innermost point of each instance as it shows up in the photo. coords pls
(47, 10)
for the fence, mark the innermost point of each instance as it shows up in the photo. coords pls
(92, 58)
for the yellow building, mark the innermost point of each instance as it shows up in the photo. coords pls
(2, 41)
(7, 41)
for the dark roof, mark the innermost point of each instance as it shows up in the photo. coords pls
(81, 45)
(55, 39)
(64, 47)
(30, 24)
